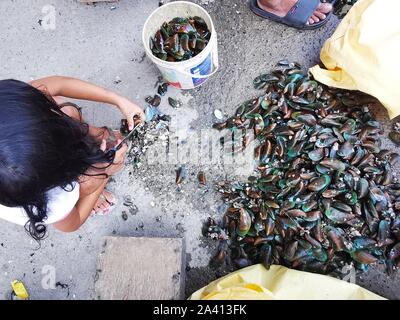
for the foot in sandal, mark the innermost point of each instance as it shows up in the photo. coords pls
(301, 14)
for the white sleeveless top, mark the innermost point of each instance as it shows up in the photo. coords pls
(60, 204)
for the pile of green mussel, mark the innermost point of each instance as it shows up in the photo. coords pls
(324, 195)
(180, 39)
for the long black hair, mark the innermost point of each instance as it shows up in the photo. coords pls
(40, 148)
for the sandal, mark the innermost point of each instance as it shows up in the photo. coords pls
(297, 17)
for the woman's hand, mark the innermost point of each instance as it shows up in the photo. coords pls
(78, 89)
(131, 111)
(119, 160)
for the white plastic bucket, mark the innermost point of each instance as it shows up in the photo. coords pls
(190, 73)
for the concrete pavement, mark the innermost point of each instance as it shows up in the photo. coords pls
(102, 44)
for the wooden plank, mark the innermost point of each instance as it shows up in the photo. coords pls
(140, 269)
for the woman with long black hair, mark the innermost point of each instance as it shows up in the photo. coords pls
(53, 166)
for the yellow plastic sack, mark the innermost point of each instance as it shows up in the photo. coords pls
(363, 53)
(280, 283)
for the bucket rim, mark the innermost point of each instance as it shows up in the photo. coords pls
(175, 63)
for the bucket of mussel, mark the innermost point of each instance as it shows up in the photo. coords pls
(180, 38)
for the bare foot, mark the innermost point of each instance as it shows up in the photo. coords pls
(104, 203)
(284, 7)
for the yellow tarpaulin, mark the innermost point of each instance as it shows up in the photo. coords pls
(363, 53)
(280, 283)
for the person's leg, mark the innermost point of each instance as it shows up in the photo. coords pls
(90, 191)
(282, 7)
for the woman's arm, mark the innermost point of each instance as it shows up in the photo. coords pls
(76, 89)
(79, 89)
